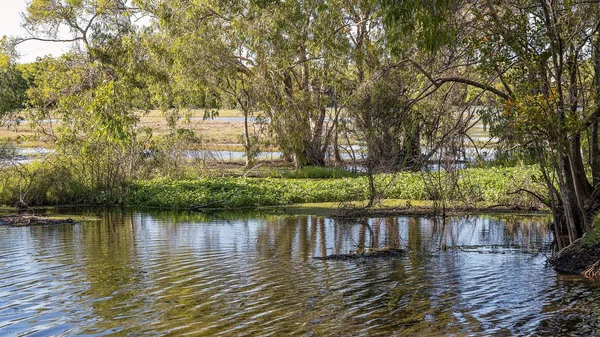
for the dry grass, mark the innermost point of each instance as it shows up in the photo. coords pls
(215, 134)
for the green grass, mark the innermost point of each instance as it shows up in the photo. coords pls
(483, 185)
(318, 172)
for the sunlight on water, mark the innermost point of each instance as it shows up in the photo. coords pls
(174, 273)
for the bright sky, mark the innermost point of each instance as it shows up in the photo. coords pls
(10, 25)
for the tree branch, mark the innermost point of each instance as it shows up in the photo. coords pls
(537, 196)
(467, 81)
(19, 41)
(438, 82)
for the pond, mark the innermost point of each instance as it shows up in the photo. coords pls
(177, 273)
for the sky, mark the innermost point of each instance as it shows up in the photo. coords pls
(10, 25)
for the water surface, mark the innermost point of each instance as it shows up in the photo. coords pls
(174, 273)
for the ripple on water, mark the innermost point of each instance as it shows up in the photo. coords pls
(177, 274)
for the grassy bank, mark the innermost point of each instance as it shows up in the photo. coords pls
(488, 186)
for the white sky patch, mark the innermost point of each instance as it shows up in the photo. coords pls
(10, 25)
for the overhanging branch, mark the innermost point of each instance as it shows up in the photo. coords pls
(476, 84)
(439, 81)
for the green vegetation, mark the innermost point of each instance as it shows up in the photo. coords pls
(404, 80)
(492, 185)
(12, 83)
(317, 172)
(64, 179)
(592, 237)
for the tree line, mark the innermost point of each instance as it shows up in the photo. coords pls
(406, 78)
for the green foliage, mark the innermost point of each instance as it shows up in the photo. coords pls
(66, 179)
(12, 83)
(290, 60)
(388, 121)
(7, 150)
(318, 172)
(42, 183)
(487, 185)
(169, 155)
(511, 157)
(427, 20)
(592, 236)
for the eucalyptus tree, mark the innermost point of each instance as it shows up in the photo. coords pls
(306, 49)
(285, 60)
(538, 60)
(12, 83)
(202, 46)
(96, 89)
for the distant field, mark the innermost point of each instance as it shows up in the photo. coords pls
(216, 134)
(221, 133)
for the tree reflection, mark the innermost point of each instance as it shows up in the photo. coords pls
(159, 274)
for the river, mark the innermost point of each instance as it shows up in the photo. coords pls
(176, 273)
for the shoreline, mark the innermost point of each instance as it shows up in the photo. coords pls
(387, 208)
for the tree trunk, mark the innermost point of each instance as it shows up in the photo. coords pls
(594, 148)
(583, 189)
(569, 199)
(337, 157)
(247, 142)
(311, 155)
(412, 148)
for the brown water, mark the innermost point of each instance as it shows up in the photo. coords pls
(175, 274)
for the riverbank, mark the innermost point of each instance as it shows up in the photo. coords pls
(582, 257)
(396, 207)
(468, 189)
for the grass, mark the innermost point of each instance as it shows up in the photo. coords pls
(316, 172)
(215, 134)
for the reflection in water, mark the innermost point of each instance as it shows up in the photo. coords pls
(174, 273)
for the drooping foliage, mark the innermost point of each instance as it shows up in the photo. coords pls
(97, 91)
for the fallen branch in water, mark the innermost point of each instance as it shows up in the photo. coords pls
(216, 202)
(368, 253)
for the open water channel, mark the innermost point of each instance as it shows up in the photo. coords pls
(174, 273)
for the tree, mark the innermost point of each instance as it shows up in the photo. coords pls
(12, 83)
(288, 60)
(200, 47)
(96, 91)
(538, 59)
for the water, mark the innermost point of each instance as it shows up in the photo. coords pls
(251, 119)
(174, 273)
(12, 156)
(223, 155)
(226, 119)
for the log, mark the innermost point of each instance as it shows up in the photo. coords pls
(368, 253)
